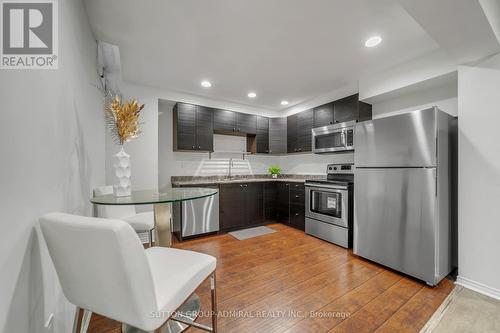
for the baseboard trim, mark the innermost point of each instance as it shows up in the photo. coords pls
(478, 287)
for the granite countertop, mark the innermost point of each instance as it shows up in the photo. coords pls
(203, 180)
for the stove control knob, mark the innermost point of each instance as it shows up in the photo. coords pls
(334, 168)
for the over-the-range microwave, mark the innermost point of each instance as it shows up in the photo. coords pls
(333, 138)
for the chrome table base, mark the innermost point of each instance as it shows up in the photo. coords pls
(163, 215)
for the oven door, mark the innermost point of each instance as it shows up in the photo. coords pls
(328, 204)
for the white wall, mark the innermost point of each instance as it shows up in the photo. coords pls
(312, 164)
(444, 96)
(421, 69)
(52, 152)
(479, 178)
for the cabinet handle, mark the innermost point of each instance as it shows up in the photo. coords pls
(296, 214)
(296, 185)
(297, 196)
(287, 184)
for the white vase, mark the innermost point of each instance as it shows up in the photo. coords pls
(275, 175)
(122, 186)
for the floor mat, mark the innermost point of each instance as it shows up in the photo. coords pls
(252, 232)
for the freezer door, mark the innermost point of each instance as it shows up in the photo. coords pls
(394, 219)
(404, 140)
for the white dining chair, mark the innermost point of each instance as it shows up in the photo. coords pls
(141, 222)
(103, 268)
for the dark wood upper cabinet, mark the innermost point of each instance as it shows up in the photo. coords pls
(304, 131)
(184, 126)
(277, 135)
(299, 136)
(324, 115)
(193, 127)
(224, 120)
(246, 123)
(262, 134)
(230, 122)
(346, 109)
(364, 111)
(350, 108)
(204, 128)
(291, 133)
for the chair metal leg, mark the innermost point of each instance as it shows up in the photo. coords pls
(75, 321)
(85, 321)
(151, 237)
(213, 289)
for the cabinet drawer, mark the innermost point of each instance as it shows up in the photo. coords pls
(297, 215)
(297, 210)
(296, 186)
(297, 197)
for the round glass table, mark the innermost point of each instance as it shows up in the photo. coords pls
(162, 203)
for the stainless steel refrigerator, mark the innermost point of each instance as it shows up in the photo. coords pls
(403, 208)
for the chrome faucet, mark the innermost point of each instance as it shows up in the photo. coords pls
(231, 165)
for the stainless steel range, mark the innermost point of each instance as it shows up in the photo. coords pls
(329, 205)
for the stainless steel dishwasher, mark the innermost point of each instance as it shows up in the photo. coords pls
(196, 217)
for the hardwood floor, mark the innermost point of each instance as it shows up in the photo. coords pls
(291, 282)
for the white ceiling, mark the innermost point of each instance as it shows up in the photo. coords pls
(281, 49)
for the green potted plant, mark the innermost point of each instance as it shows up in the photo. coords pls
(274, 170)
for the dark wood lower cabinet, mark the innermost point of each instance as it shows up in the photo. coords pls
(283, 202)
(232, 207)
(297, 208)
(241, 205)
(254, 193)
(270, 201)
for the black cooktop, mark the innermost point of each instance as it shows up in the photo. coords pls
(343, 180)
(336, 174)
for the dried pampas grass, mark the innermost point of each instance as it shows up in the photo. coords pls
(123, 119)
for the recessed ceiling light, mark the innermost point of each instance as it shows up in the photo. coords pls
(252, 95)
(373, 41)
(206, 84)
(284, 102)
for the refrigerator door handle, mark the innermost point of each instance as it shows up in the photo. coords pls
(436, 182)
